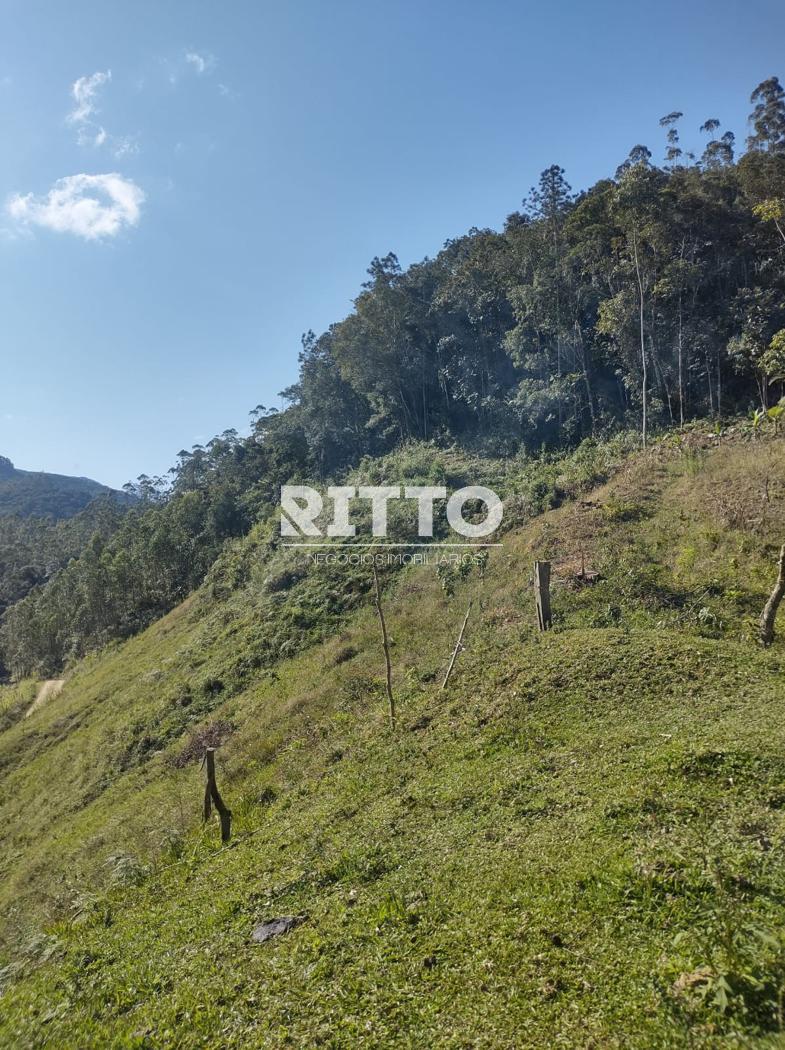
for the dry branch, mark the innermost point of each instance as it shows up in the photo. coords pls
(458, 648)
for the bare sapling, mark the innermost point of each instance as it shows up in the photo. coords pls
(385, 644)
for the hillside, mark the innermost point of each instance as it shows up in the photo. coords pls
(649, 300)
(37, 494)
(579, 842)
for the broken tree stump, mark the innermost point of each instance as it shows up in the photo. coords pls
(542, 593)
(585, 576)
(772, 605)
(213, 797)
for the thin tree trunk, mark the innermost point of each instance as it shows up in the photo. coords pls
(424, 397)
(643, 341)
(681, 361)
(770, 610)
(760, 382)
(586, 380)
(660, 375)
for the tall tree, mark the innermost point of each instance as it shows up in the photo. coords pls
(768, 117)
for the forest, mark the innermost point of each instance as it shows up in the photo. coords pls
(655, 297)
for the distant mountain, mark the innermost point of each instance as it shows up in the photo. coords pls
(29, 492)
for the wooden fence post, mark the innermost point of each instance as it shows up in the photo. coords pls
(211, 795)
(542, 593)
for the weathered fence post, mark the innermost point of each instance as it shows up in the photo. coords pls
(542, 593)
(211, 795)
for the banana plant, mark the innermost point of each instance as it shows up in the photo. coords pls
(758, 418)
(775, 414)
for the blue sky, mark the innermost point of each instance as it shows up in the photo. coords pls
(263, 153)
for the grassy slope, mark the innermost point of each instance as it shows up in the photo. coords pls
(579, 842)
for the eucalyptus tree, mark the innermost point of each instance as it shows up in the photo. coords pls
(635, 210)
(469, 314)
(383, 352)
(768, 117)
(719, 150)
(545, 339)
(670, 121)
(333, 416)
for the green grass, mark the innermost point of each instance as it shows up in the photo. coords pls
(15, 701)
(578, 843)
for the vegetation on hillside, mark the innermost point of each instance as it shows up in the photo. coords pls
(652, 298)
(580, 841)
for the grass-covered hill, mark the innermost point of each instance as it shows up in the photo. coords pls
(578, 842)
(32, 493)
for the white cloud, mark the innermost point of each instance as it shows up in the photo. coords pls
(202, 63)
(89, 206)
(84, 92)
(90, 133)
(124, 146)
(186, 62)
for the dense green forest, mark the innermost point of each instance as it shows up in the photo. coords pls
(655, 297)
(33, 549)
(46, 520)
